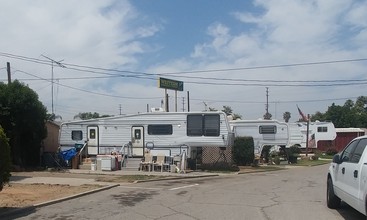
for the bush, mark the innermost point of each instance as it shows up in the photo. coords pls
(222, 166)
(265, 154)
(243, 151)
(276, 160)
(293, 153)
(331, 151)
(4, 159)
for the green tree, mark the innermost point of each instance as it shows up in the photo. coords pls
(318, 116)
(267, 116)
(286, 116)
(89, 115)
(23, 122)
(4, 159)
(228, 110)
(243, 151)
(349, 115)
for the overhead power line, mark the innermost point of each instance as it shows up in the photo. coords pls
(106, 71)
(87, 91)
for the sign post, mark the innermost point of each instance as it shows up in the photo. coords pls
(165, 84)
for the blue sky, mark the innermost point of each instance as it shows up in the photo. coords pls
(226, 53)
(185, 23)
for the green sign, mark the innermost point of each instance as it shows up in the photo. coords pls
(170, 84)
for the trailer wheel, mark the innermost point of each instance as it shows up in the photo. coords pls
(332, 200)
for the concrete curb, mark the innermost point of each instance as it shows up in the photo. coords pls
(175, 178)
(8, 214)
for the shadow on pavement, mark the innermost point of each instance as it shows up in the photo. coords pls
(15, 212)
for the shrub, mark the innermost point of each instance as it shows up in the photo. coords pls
(222, 166)
(331, 151)
(293, 153)
(265, 154)
(276, 160)
(4, 159)
(243, 151)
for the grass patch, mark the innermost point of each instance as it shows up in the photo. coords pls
(305, 162)
(327, 157)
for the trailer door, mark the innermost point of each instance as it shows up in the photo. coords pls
(93, 140)
(137, 140)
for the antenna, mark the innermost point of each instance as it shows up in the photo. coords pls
(52, 78)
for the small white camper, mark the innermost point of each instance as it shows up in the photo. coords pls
(317, 131)
(267, 132)
(170, 133)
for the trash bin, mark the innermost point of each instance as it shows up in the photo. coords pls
(173, 168)
(93, 167)
(75, 162)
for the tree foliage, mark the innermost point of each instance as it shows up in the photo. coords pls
(89, 115)
(4, 159)
(286, 116)
(267, 116)
(23, 118)
(349, 115)
(228, 110)
(243, 151)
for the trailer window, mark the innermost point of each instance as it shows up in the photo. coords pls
(76, 135)
(160, 129)
(211, 125)
(268, 129)
(321, 129)
(92, 134)
(203, 125)
(194, 125)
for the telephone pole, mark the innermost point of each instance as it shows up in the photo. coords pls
(183, 104)
(267, 101)
(9, 72)
(52, 78)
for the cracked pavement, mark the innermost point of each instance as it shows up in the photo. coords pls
(297, 193)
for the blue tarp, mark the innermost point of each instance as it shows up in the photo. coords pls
(68, 154)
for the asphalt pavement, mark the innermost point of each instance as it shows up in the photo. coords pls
(87, 179)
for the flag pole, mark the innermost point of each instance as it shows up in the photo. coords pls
(307, 133)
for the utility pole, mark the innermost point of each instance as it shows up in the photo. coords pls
(9, 72)
(167, 103)
(183, 104)
(267, 101)
(188, 101)
(307, 133)
(52, 78)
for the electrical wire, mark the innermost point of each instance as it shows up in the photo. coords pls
(97, 70)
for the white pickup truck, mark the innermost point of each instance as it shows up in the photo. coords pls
(347, 176)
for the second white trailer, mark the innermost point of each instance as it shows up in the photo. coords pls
(267, 132)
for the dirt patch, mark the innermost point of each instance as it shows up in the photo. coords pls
(21, 195)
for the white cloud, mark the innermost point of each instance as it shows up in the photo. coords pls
(285, 32)
(101, 34)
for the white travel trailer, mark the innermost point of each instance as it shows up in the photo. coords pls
(317, 131)
(168, 132)
(267, 132)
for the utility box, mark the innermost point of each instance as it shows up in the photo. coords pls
(108, 163)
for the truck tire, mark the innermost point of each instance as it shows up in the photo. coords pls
(333, 201)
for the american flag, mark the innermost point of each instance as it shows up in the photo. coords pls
(303, 116)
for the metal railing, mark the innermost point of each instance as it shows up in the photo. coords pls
(124, 148)
(80, 153)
